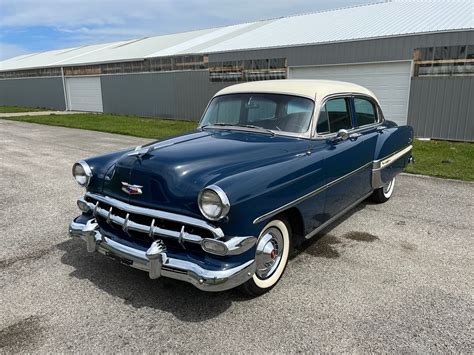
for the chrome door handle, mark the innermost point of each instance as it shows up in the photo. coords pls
(354, 136)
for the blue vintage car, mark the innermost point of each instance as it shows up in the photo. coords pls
(271, 164)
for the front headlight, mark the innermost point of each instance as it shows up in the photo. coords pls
(213, 203)
(82, 173)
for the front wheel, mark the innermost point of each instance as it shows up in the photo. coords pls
(271, 257)
(383, 193)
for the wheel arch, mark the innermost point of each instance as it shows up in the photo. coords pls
(296, 221)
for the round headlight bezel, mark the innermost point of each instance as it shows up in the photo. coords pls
(87, 172)
(224, 202)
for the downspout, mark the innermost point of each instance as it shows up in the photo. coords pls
(64, 90)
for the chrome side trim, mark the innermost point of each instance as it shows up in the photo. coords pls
(381, 164)
(217, 232)
(311, 194)
(157, 263)
(384, 162)
(332, 219)
(376, 165)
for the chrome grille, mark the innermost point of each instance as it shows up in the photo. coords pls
(149, 223)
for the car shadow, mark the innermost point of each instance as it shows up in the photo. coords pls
(181, 299)
(325, 237)
(134, 287)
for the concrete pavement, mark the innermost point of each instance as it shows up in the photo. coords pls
(396, 277)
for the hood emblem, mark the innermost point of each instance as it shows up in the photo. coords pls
(131, 189)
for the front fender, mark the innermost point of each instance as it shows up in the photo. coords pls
(255, 192)
(100, 165)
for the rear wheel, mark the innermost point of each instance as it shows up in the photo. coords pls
(271, 257)
(384, 193)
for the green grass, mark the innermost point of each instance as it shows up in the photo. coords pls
(14, 109)
(156, 128)
(454, 160)
(436, 158)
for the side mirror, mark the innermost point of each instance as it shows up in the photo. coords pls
(342, 135)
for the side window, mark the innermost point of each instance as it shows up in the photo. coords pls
(335, 115)
(322, 126)
(365, 112)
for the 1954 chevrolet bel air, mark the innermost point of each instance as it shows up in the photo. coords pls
(271, 164)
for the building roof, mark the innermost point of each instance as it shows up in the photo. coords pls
(378, 20)
(314, 89)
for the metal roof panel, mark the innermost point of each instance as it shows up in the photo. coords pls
(395, 18)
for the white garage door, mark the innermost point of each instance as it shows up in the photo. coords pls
(389, 81)
(84, 94)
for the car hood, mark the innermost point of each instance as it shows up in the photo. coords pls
(172, 172)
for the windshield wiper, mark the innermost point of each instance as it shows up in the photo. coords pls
(230, 125)
(257, 127)
(216, 124)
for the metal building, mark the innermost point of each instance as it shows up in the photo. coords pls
(417, 56)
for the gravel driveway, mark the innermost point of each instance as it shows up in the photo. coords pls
(397, 277)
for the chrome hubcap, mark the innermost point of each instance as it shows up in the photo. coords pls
(269, 251)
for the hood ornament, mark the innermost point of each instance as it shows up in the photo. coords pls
(141, 151)
(131, 189)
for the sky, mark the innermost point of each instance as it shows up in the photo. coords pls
(28, 26)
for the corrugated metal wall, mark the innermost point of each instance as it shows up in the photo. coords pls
(442, 107)
(385, 49)
(174, 94)
(34, 92)
(185, 94)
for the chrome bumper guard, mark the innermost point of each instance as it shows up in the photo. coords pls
(234, 246)
(156, 262)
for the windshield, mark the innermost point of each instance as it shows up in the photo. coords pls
(274, 112)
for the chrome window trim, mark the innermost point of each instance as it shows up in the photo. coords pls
(304, 135)
(376, 107)
(310, 194)
(347, 95)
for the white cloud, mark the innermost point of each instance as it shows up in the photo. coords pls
(76, 22)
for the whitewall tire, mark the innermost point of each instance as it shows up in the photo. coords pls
(384, 193)
(271, 257)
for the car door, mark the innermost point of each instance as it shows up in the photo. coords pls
(348, 158)
(367, 120)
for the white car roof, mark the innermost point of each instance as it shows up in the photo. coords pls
(314, 89)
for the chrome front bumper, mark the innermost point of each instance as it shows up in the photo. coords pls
(157, 263)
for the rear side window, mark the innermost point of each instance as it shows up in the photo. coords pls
(365, 112)
(334, 116)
